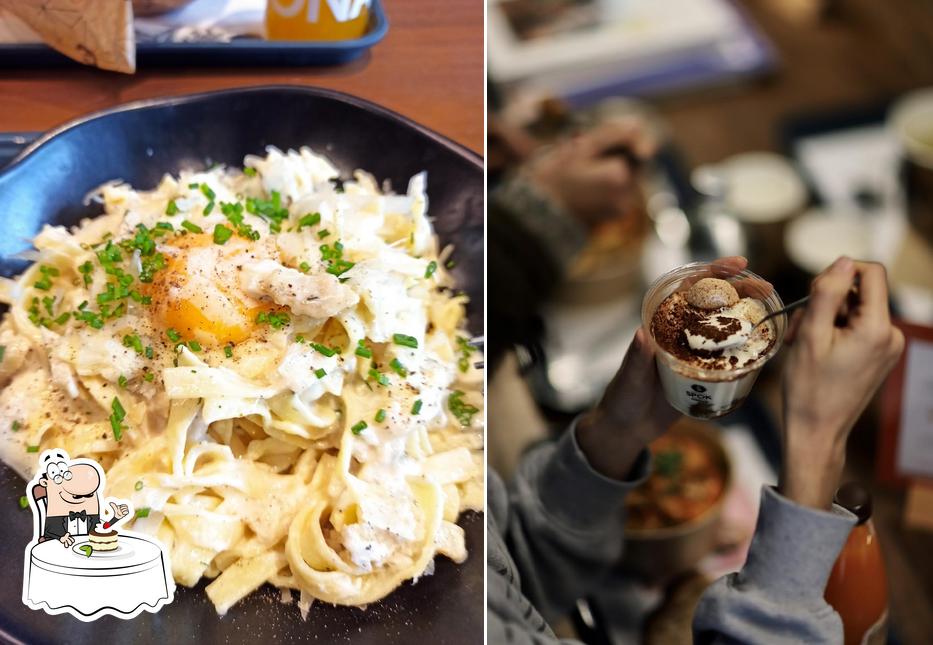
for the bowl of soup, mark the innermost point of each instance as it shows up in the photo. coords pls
(672, 518)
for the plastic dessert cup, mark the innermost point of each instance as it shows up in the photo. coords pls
(706, 393)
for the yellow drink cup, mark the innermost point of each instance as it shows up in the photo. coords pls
(316, 19)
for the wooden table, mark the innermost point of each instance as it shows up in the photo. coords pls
(866, 51)
(429, 67)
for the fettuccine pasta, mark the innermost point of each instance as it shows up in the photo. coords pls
(272, 365)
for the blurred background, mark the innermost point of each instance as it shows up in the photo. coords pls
(792, 131)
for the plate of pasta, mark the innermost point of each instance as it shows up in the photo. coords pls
(257, 310)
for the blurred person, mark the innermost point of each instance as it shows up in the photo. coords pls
(543, 202)
(559, 526)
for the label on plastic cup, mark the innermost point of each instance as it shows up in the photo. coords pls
(704, 399)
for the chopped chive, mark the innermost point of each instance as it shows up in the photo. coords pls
(16, 426)
(416, 407)
(2, 352)
(311, 219)
(32, 448)
(91, 318)
(194, 185)
(24, 502)
(134, 342)
(116, 418)
(148, 351)
(188, 226)
(194, 345)
(363, 350)
(323, 234)
(275, 320)
(208, 209)
(150, 265)
(86, 270)
(222, 234)
(400, 369)
(119, 412)
(299, 339)
(381, 379)
(207, 192)
(304, 267)
(450, 264)
(429, 271)
(380, 415)
(359, 427)
(139, 485)
(405, 341)
(339, 267)
(149, 377)
(228, 351)
(172, 208)
(320, 372)
(140, 298)
(173, 335)
(327, 351)
(122, 381)
(142, 512)
(463, 411)
(249, 172)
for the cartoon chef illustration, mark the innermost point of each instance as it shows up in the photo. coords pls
(72, 493)
(76, 562)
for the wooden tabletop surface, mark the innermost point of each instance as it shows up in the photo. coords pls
(864, 52)
(429, 68)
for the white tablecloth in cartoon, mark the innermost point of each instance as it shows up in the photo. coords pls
(123, 582)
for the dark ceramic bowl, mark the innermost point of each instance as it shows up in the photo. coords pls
(139, 143)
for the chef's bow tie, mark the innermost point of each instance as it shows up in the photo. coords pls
(80, 515)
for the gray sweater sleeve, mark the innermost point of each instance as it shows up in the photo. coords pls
(565, 523)
(777, 597)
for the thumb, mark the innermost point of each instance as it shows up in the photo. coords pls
(113, 505)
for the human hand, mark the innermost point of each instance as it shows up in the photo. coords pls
(66, 540)
(584, 176)
(633, 410)
(831, 374)
(119, 511)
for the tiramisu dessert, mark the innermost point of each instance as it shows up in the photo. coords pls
(102, 540)
(710, 326)
(710, 333)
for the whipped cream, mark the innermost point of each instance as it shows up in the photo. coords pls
(721, 322)
(738, 321)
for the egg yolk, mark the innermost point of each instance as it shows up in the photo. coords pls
(198, 293)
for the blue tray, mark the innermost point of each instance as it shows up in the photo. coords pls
(238, 52)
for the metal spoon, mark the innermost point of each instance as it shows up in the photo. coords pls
(741, 339)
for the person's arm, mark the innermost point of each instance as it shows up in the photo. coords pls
(54, 528)
(831, 374)
(566, 521)
(559, 526)
(539, 218)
